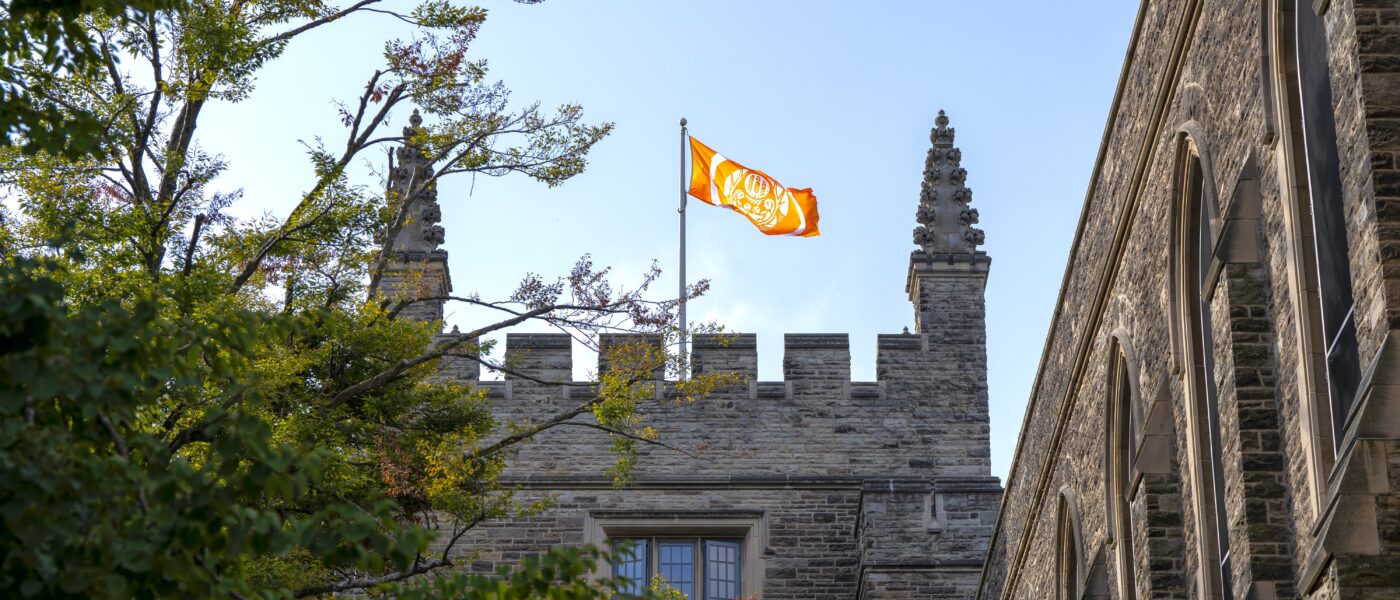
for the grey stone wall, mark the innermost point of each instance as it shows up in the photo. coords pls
(884, 482)
(915, 421)
(874, 490)
(810, 549)
(839, 489)
(1303, 520)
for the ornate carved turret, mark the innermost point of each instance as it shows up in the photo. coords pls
(417, 266)
(945, 219)
(947, 273)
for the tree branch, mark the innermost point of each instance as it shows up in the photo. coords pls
(629, 436)
(392, 373)
(291, 33)
(368, 582)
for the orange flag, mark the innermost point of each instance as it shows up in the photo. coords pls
(774, 209)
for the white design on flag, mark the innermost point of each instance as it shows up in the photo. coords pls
(801, 217)
(716, 160)
(754, 195)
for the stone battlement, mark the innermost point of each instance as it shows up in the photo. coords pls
(808, 358)
(923, 417)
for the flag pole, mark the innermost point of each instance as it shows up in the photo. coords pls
(681, 210)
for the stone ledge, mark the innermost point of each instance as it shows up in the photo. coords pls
(539, 341)
(724, 341)
(816, 341)
(1349, 523)
(899, 341)
(819, 482)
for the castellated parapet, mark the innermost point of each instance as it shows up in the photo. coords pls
(831, 488)
(921, 418)
(858, 489)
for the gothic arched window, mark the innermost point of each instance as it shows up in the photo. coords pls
(1328, 226)
(1209, 477)
(1122, 439)
(1069, 551)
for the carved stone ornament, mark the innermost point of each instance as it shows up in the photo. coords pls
(433, 234)
(432, 213)
(944, 216)
(923, 236)
(410, 182)
(928, 195)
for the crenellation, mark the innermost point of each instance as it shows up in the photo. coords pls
(642, 346)
(816, 359)
(725, 353)
(808, 357)
(547, 357)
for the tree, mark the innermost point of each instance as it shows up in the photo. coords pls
(196, 405)
(40, 40)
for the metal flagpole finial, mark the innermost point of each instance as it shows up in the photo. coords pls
(682, 121)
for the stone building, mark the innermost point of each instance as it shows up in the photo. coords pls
(1217, 411)
(813, 487)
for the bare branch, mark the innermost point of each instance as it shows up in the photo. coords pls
(394, 372)
(627, 435)
(369, 582)
(291, 33)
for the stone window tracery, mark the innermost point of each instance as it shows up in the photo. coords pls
(1330, 248)
(1069, 550)
(1122, 439)
(1196, 246)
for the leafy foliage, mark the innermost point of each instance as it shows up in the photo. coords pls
(198, 405)
(42, 41)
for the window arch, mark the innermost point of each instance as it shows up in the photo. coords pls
(1122, 434)
(1194, 236)
(1310, 181)
(1069, 550)
(1321, 172)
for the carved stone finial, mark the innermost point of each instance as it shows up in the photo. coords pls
(945, 220)
(411, 186)
(942, 134)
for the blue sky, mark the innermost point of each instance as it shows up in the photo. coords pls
(836, 96)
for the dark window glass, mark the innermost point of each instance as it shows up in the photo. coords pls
(1123, 437)
(1068, 560)
(676, 562)
(1328, 217)
(632, 566)
(684, 563)
(1204, 370)
(721, 570)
